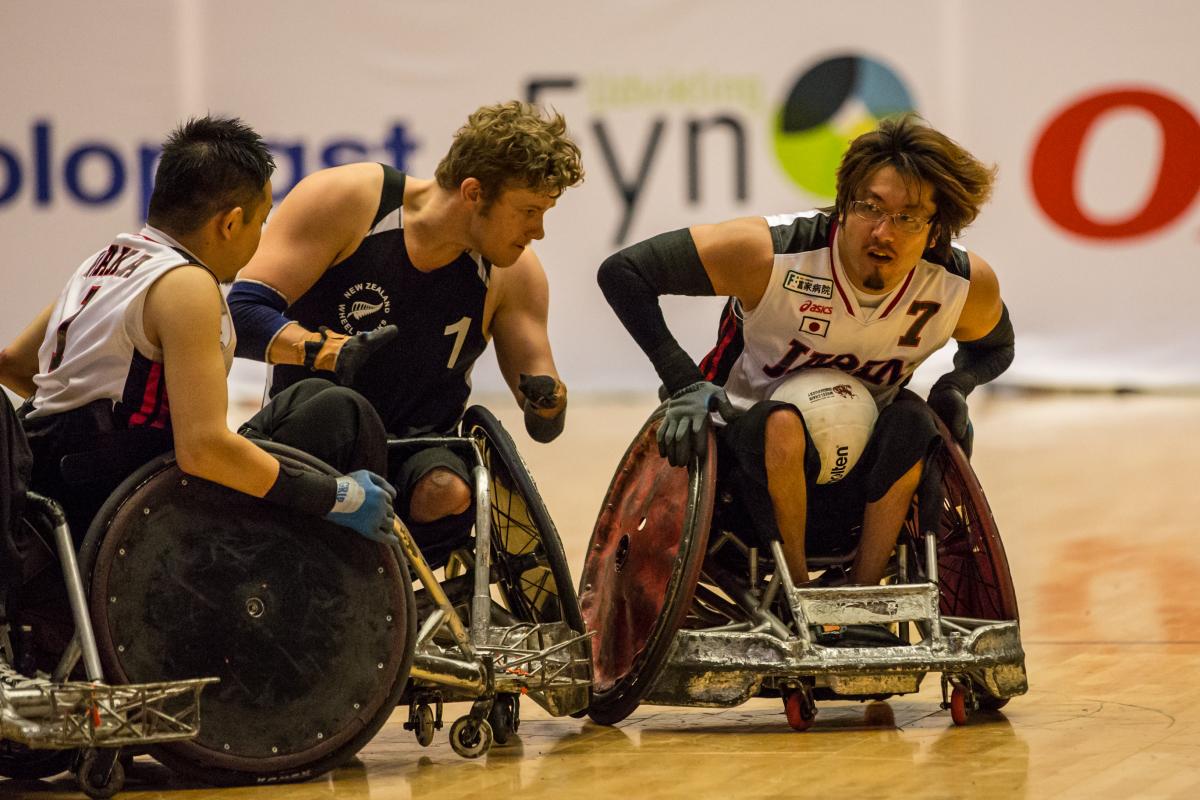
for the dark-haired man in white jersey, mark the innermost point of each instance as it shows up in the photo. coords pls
(872, 288)
(131, 360)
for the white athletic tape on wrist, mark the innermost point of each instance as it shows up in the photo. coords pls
(350, 496)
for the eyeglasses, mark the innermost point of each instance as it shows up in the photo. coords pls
(906, 223)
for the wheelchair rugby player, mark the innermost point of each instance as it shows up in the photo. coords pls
(124, 377)
(868, 289)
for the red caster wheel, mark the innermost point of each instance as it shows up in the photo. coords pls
(800, 709)
(960, 709)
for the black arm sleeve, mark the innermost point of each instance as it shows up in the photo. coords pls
(632, 280)
(982, 360)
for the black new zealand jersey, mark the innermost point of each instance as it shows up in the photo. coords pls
(420, 383)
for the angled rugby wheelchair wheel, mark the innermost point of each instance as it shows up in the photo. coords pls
(973, 575)
(972, 568)
(641, 569)
(534, 578)
(309, 627)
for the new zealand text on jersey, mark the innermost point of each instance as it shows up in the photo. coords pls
(365, 300)
(880, 373)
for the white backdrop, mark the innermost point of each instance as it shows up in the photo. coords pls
(89, 89)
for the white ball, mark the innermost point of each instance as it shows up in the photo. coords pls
(839, 413)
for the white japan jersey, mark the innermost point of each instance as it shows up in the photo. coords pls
(809, 317)
(95, 346)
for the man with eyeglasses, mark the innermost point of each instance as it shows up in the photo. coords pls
(872, 287)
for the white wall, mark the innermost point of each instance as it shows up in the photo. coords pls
(1089, 311)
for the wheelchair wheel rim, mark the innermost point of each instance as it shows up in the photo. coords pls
(527, 551)
(973, 574)
(641, 570)
(285, 716)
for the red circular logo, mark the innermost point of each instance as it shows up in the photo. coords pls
(1056, 161)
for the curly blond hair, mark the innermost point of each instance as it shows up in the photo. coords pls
(509, 145)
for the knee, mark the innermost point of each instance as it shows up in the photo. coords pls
(347, 404)
(914, 417)
(307, 388)
(439, 493)
(784, 445)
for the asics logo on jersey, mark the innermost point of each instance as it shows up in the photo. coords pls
(361, 308)
(809, 305)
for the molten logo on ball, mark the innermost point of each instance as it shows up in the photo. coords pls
(838, 412)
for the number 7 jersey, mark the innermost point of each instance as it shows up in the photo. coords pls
(809, 317)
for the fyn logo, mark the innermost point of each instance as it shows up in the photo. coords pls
(828, 106)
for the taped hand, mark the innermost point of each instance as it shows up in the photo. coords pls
(364, 504)
(542, 394)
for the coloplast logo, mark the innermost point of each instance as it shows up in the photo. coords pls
(828, 106)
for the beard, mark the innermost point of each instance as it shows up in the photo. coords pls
(873, 281)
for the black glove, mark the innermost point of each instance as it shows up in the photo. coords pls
(949, 403)
(539, 390)
(542, 392)
(684, 430)
(358, 349)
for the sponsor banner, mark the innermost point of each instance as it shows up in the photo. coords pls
(1094, 134)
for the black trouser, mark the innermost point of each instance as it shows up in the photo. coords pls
(342, 428)
(903, 436)
(336, 424)
(79, 458)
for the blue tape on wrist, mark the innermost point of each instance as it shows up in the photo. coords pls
(257, 311)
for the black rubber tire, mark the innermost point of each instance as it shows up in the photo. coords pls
(508, 471)
(207, 765)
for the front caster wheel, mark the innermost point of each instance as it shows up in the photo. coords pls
(505, 717)
(423, 725)
(800, 708)
(100, 775)
(470, 739)
(960, 706)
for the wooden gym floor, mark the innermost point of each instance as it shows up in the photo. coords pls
(1094, 498)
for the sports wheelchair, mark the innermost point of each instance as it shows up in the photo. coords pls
(305, 631)
(686, 612)
(311, 633)
(505, 621)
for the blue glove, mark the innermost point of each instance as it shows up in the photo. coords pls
(950, 404)
(684, 429)
(364, 504)
(356, 350)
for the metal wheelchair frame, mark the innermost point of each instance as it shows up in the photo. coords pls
(721, 637)
(55, 713)
(488, 661)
